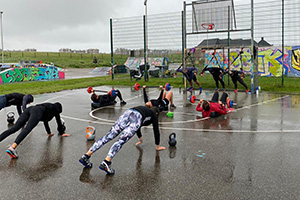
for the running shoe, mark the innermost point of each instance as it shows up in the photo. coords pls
(200, 90)
(107, 168)
(123, 103)
(236, 90)
(190, 89)
(247, 91)
(12, 152)
(172, 106)
(85, 162)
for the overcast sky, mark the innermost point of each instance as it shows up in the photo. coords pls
(48, 25)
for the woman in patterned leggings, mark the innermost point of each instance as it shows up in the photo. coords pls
(129, 123)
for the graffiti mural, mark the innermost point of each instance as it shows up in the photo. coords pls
(12, 75)
(269, 61)
(294, 57)
(134, 63)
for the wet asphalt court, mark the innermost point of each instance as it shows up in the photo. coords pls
(252, 153)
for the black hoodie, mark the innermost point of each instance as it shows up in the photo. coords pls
(51, 110)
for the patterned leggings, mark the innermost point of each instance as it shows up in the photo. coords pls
(128, 123)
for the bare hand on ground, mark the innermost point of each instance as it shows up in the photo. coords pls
(65, 135)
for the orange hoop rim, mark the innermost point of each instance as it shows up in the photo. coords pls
(208, 26)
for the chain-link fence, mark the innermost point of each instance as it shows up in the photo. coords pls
(275, 27)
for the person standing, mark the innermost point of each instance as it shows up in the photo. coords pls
(190, 74)
(215, 72)
(236, 76)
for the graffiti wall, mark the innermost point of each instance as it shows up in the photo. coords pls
(12, 75)
(269, 61)
(134, 63)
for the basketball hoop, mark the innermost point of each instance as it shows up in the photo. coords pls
(208, 26)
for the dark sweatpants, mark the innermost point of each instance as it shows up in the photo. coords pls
(215, 97)
(32, 116)
(217, 79)
(236, 79)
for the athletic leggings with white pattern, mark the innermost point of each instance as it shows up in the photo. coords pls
(128, 123)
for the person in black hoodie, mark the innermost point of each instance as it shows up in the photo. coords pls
(32, 116)
(17, 99)
(129, 123)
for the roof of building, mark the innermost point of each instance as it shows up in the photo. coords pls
(232, 43)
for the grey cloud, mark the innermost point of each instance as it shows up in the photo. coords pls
(48, 25)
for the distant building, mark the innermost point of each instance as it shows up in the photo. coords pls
(92, 51)
(30, 50)
(65, 50)
(79, 51)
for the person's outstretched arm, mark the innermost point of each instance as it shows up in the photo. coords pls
(203, 70)
(47, 128)
(157, 134)
(19, 110)
(145, 94)
(139, 134)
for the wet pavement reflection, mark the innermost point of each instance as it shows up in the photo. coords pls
(251, 153)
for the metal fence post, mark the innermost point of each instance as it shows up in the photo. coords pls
(111, 50)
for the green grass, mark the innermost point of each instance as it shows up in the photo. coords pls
(65, 60)
(271, 84)
(74, 60)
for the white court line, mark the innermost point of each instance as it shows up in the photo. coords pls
(111, 122)
(191, 129)
(187, 121)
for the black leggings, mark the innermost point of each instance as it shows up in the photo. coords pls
(223, 99)
(32, 116)
(240, 80)
(217, 79)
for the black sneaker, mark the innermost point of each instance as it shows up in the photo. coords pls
(107, 168)
(172, 106)
(123, 102)
(86, 162)
(12, 152)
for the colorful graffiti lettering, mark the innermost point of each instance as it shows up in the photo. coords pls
(269, 61)
(30, 74)
(133, 62)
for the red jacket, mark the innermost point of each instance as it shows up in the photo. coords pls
(214, 107)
